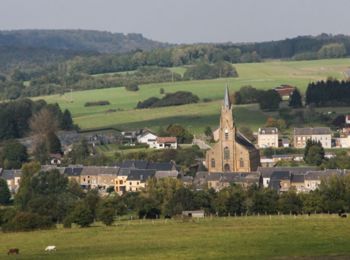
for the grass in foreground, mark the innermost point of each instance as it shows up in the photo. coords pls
(280, 237)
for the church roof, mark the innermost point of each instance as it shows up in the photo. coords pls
(241, 139)
(227, 101)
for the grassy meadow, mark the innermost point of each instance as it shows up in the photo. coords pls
(196, 116)
(281, 237)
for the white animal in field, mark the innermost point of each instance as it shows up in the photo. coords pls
(50, 248)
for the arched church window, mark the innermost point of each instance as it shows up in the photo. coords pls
(227, 167)
(226, 153)
(241, 163)
(212, 164)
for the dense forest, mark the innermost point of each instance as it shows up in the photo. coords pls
(41, 62)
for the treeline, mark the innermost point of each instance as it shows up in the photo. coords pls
(328, 93)
(15, 117)
(170, 99)
(47, 198)
(267, 99)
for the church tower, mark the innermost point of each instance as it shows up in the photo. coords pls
(232, 152)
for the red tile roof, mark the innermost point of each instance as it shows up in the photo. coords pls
(169, 139)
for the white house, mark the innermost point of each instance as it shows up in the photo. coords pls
(166, 143)
(148, 138)
(268, 137)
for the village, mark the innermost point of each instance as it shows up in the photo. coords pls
(219, 170)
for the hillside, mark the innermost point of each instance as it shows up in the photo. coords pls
(121, 113)
(78, 40)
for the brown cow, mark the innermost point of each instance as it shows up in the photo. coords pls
(13, 251)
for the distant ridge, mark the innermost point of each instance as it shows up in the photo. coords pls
(78, 40)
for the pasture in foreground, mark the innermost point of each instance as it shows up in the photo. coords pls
(121, 113)
(279, 237)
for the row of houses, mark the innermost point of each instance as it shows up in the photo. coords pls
(129, 176)
(269, 137)
(132, 176)
(281, 179)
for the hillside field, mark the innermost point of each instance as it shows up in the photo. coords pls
(279, 237)
(264, 75)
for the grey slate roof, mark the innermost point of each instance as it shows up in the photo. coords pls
(268, 130)
(140, 174)
(93, 170)
(167, 166)
(241, 139)
(73, 170)
(136, 164)
(268, 171)
(312, 131)
(298, 178)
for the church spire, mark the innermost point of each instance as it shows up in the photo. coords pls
(227, 102)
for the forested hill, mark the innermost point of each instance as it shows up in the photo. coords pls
(77, 40)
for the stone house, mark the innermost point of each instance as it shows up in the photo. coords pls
(137, 179)
(318, 134)
(268, 137)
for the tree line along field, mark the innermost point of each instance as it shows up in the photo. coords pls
(278, 237)
(264, 75)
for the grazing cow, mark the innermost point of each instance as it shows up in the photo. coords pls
(50, 248)
(343, 216)
(13, 251)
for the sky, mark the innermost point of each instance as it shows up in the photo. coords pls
(183, 21)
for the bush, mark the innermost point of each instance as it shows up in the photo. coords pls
(97, 103)
(27, 221)
(208, 71)
(106, 215)
(82, 215)
(131, 87)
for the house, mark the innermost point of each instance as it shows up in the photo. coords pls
(347, 119)
(268, 137)
(89, 178)
(120, 180)
(267, 162)
(147, 137)
(318, 134)
(12, 177)
(313, 178)
(166, 143)
(285, 91)
(106, 177)
(137, 179)
(298, 182)
(55, 158)
(220, 180)
(164, 170)
(266, 172)
(73, 172)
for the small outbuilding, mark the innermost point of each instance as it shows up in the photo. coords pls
(193, 213)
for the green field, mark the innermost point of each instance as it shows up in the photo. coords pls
(281, 237)
(260, 75)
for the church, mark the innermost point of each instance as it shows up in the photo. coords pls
(232, 151)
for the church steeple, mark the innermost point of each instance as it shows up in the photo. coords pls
(227, 102)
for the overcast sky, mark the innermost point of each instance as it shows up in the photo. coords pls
(183, 21)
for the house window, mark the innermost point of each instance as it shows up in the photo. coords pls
(227, 167)
(129, 183)
(241, 163)
(212, 163)
(226, 153)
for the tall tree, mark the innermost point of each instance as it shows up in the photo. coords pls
(13, 155)
(295, 99)
(5, 194)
